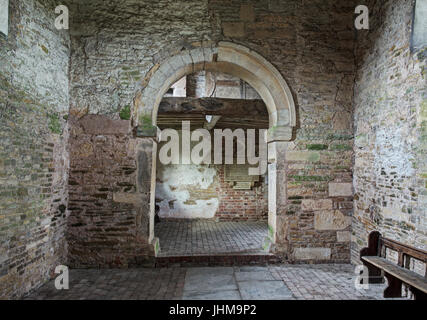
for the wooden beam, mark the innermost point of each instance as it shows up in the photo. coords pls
(213, 106)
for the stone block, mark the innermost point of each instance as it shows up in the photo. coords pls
(316, 204)
(342, 121)
(312, 253)
(233, 29)
(279, 133)
(340, 189)
(102, 125)
(128, 197)
(331, 220)
(343, 236)
(306, 156)
(247, 13)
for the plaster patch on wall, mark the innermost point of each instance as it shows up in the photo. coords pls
(173, 195)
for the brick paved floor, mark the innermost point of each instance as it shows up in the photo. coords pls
(197, 237)
(287, 282)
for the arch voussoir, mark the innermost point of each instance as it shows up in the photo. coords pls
(229, 58)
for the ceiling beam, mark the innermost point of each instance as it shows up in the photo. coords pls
(213, 106)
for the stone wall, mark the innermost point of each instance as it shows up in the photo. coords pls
(33, 156)
(106, 226)
(116, 44)
(390, 178)
(310, 42)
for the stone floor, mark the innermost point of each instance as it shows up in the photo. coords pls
(287, 282)
(204, 237)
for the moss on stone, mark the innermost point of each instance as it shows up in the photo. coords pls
(317, 147)
(310, 178)
(341, 147)
(424, 109)
(270, 231)
(44, 49)
(54, 123)
(125, 113)
(146, 127)
(334, 136)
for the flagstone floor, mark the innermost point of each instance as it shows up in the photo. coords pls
(284, 282)
(204, 237)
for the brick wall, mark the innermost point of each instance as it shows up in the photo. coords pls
(241, 205)
(33, 155)
(390, 129)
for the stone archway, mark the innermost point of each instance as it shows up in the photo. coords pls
(229, 58)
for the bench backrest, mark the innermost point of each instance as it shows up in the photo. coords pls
(378, 246)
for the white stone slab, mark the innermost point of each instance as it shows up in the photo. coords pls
(4, 16)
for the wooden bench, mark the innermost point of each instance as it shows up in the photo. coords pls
(374, 258)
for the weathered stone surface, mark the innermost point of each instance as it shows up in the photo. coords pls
(340, 189)
(312, 253)
(233, 29)
(303, 156)
(103, 125)
(134, 198)
(316, 204)
(331, 220)
(34, 156)
(247, 12)
(343, 236)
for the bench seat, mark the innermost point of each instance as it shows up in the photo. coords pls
(409, 277)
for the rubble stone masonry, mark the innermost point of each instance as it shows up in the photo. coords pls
(390, 103)
(33, 147)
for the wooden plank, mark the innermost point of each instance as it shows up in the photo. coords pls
(416, 253)
(409, 277)
(213, 106)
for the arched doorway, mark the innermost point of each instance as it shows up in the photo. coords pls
(237, 61)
